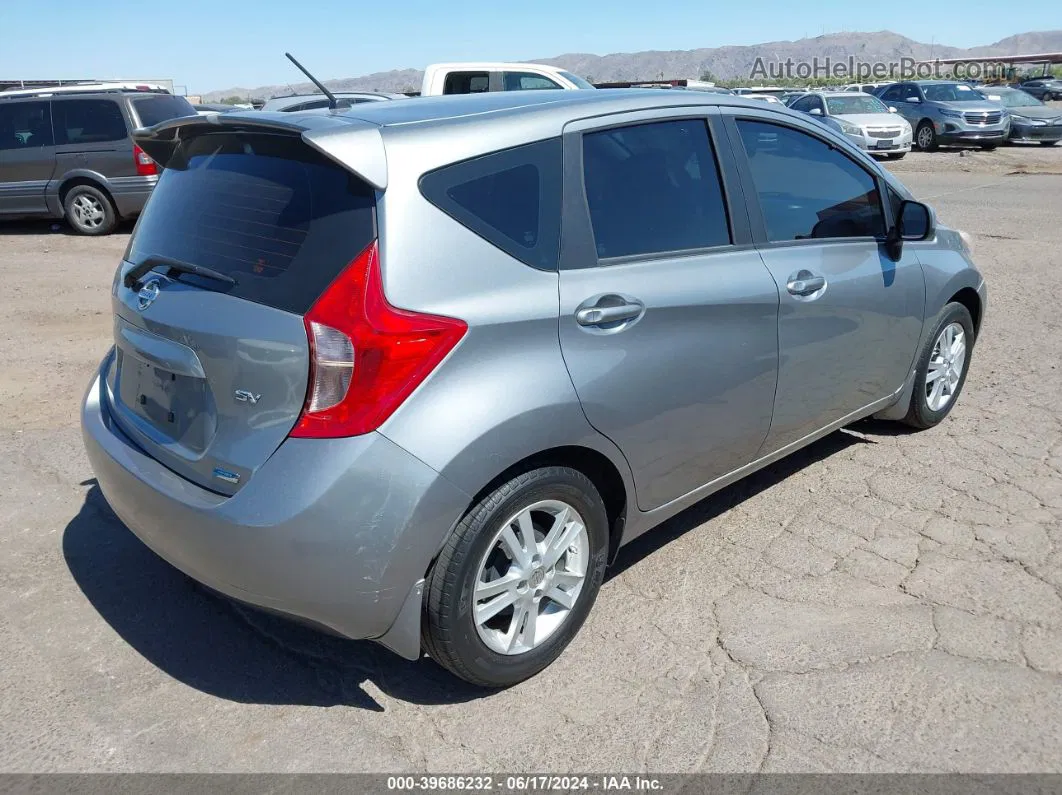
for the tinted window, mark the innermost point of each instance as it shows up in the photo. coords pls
(466, 83)
(88, 121)
(511, 198)
(653, 188)
(526, 81)
(265, 209)
(160, 108)
(803, 104)
(893, 94)
(25, 125)
(808, 189)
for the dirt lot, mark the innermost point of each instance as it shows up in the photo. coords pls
(881, 601)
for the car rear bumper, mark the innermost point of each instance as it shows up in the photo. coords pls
(131, 193)
(335, 532)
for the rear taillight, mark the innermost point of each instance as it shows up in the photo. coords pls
(366, 356)
(145, 166)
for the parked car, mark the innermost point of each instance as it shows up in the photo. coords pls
(69, 153)
(215, 107)
(947, 112)
(863, 119)
(1043, 88)
(1030, 119)
(415, 372)
(764, 98)
(486, 77)
(299, 102)
(866, 88)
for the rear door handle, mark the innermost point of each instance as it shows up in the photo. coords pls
(805, 285)
(599, 315)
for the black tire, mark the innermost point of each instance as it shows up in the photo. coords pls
(448, 631)
(1048, 143)
(919, 414)
(897, 156)
(932, 144)
(989, 147)
(104, 217)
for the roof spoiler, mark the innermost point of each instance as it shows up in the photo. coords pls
(355, 145)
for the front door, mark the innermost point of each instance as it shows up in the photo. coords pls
(27, 156)
(668, 317)
(850, 317)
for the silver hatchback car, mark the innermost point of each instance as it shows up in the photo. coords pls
(414, 371)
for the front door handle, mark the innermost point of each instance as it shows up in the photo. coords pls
(805, 283)
(599, 315)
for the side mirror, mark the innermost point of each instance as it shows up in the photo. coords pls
(914, 221)
(815, 112)
(914, 99)
(892, 109)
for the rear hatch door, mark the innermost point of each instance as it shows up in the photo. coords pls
(211, 367)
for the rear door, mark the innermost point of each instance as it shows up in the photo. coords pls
(92, 135)
(209, 377)
(668, 317)
(27, 156)
(850, 316)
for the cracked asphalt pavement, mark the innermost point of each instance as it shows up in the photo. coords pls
(881, 601)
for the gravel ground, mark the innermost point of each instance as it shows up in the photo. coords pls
(881, 601)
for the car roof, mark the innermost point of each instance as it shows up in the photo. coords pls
(463, 65)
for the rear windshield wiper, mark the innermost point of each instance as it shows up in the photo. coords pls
(132, 276)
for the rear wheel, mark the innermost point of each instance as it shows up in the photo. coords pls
(517, 578)
(926, 136)
(89, 210)
(942, 367)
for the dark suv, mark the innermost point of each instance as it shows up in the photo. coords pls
(70, 153)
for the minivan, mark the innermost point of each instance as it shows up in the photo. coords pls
(68, 152)
(415, 371)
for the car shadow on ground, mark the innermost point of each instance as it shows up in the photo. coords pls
(243, 655)
(53, 226)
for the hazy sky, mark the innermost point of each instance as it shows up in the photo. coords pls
(214, 44)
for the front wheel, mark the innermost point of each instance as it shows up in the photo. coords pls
(926, 136)
(942, 367)
(515, 581)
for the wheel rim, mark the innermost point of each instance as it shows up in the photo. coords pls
(531, 577)
(925, 136)
(88, 211)
(946, 366)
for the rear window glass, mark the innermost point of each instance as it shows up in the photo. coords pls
(511, 198)
(163, 107)
(267, 210)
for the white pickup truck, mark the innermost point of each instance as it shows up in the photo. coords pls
(474, 78)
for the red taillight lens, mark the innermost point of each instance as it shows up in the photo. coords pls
(366, 356)
(145, 166)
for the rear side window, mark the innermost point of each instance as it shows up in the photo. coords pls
(279, 218)
(88, 121)
(466, 83)
(161, 107)
(653, 188)
(25, 125)
(511, 198)
(807, 188)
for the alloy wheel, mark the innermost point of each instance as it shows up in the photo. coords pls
(946, 366)
(530, 577)
(88, 211)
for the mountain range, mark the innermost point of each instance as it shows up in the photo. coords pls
(722, 62)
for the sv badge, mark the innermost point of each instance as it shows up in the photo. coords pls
(246, 396)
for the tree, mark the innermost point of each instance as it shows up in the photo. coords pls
(707, 76)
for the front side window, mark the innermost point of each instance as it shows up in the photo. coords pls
(25, 125)
(88, 121)
(526, 81)
(803, 104)
(894, 94)
(653, 188)
(808, 189)
(511, 198)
